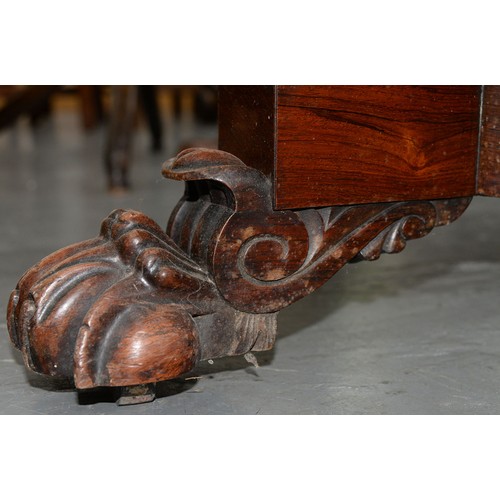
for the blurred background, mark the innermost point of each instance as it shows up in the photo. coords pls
(169, 118)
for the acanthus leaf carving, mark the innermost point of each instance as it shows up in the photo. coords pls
(137, 304)
(263, 259)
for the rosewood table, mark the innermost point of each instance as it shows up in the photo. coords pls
(306, 180)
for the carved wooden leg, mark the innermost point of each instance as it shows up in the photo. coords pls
(118, 148)
(149, 100)
(138, 305)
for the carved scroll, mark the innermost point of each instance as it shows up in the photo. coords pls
(263, 259)
(137, 305)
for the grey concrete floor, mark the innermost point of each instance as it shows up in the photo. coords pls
(413, 333)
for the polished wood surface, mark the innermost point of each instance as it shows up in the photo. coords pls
(247, 124)
(343, 145)
(488, 182)
(363, 144)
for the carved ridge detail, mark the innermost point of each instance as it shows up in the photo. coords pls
(137, 304)
(263, 259)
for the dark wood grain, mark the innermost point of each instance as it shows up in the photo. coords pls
(489, 159)
(342, 145)
(247, 124)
